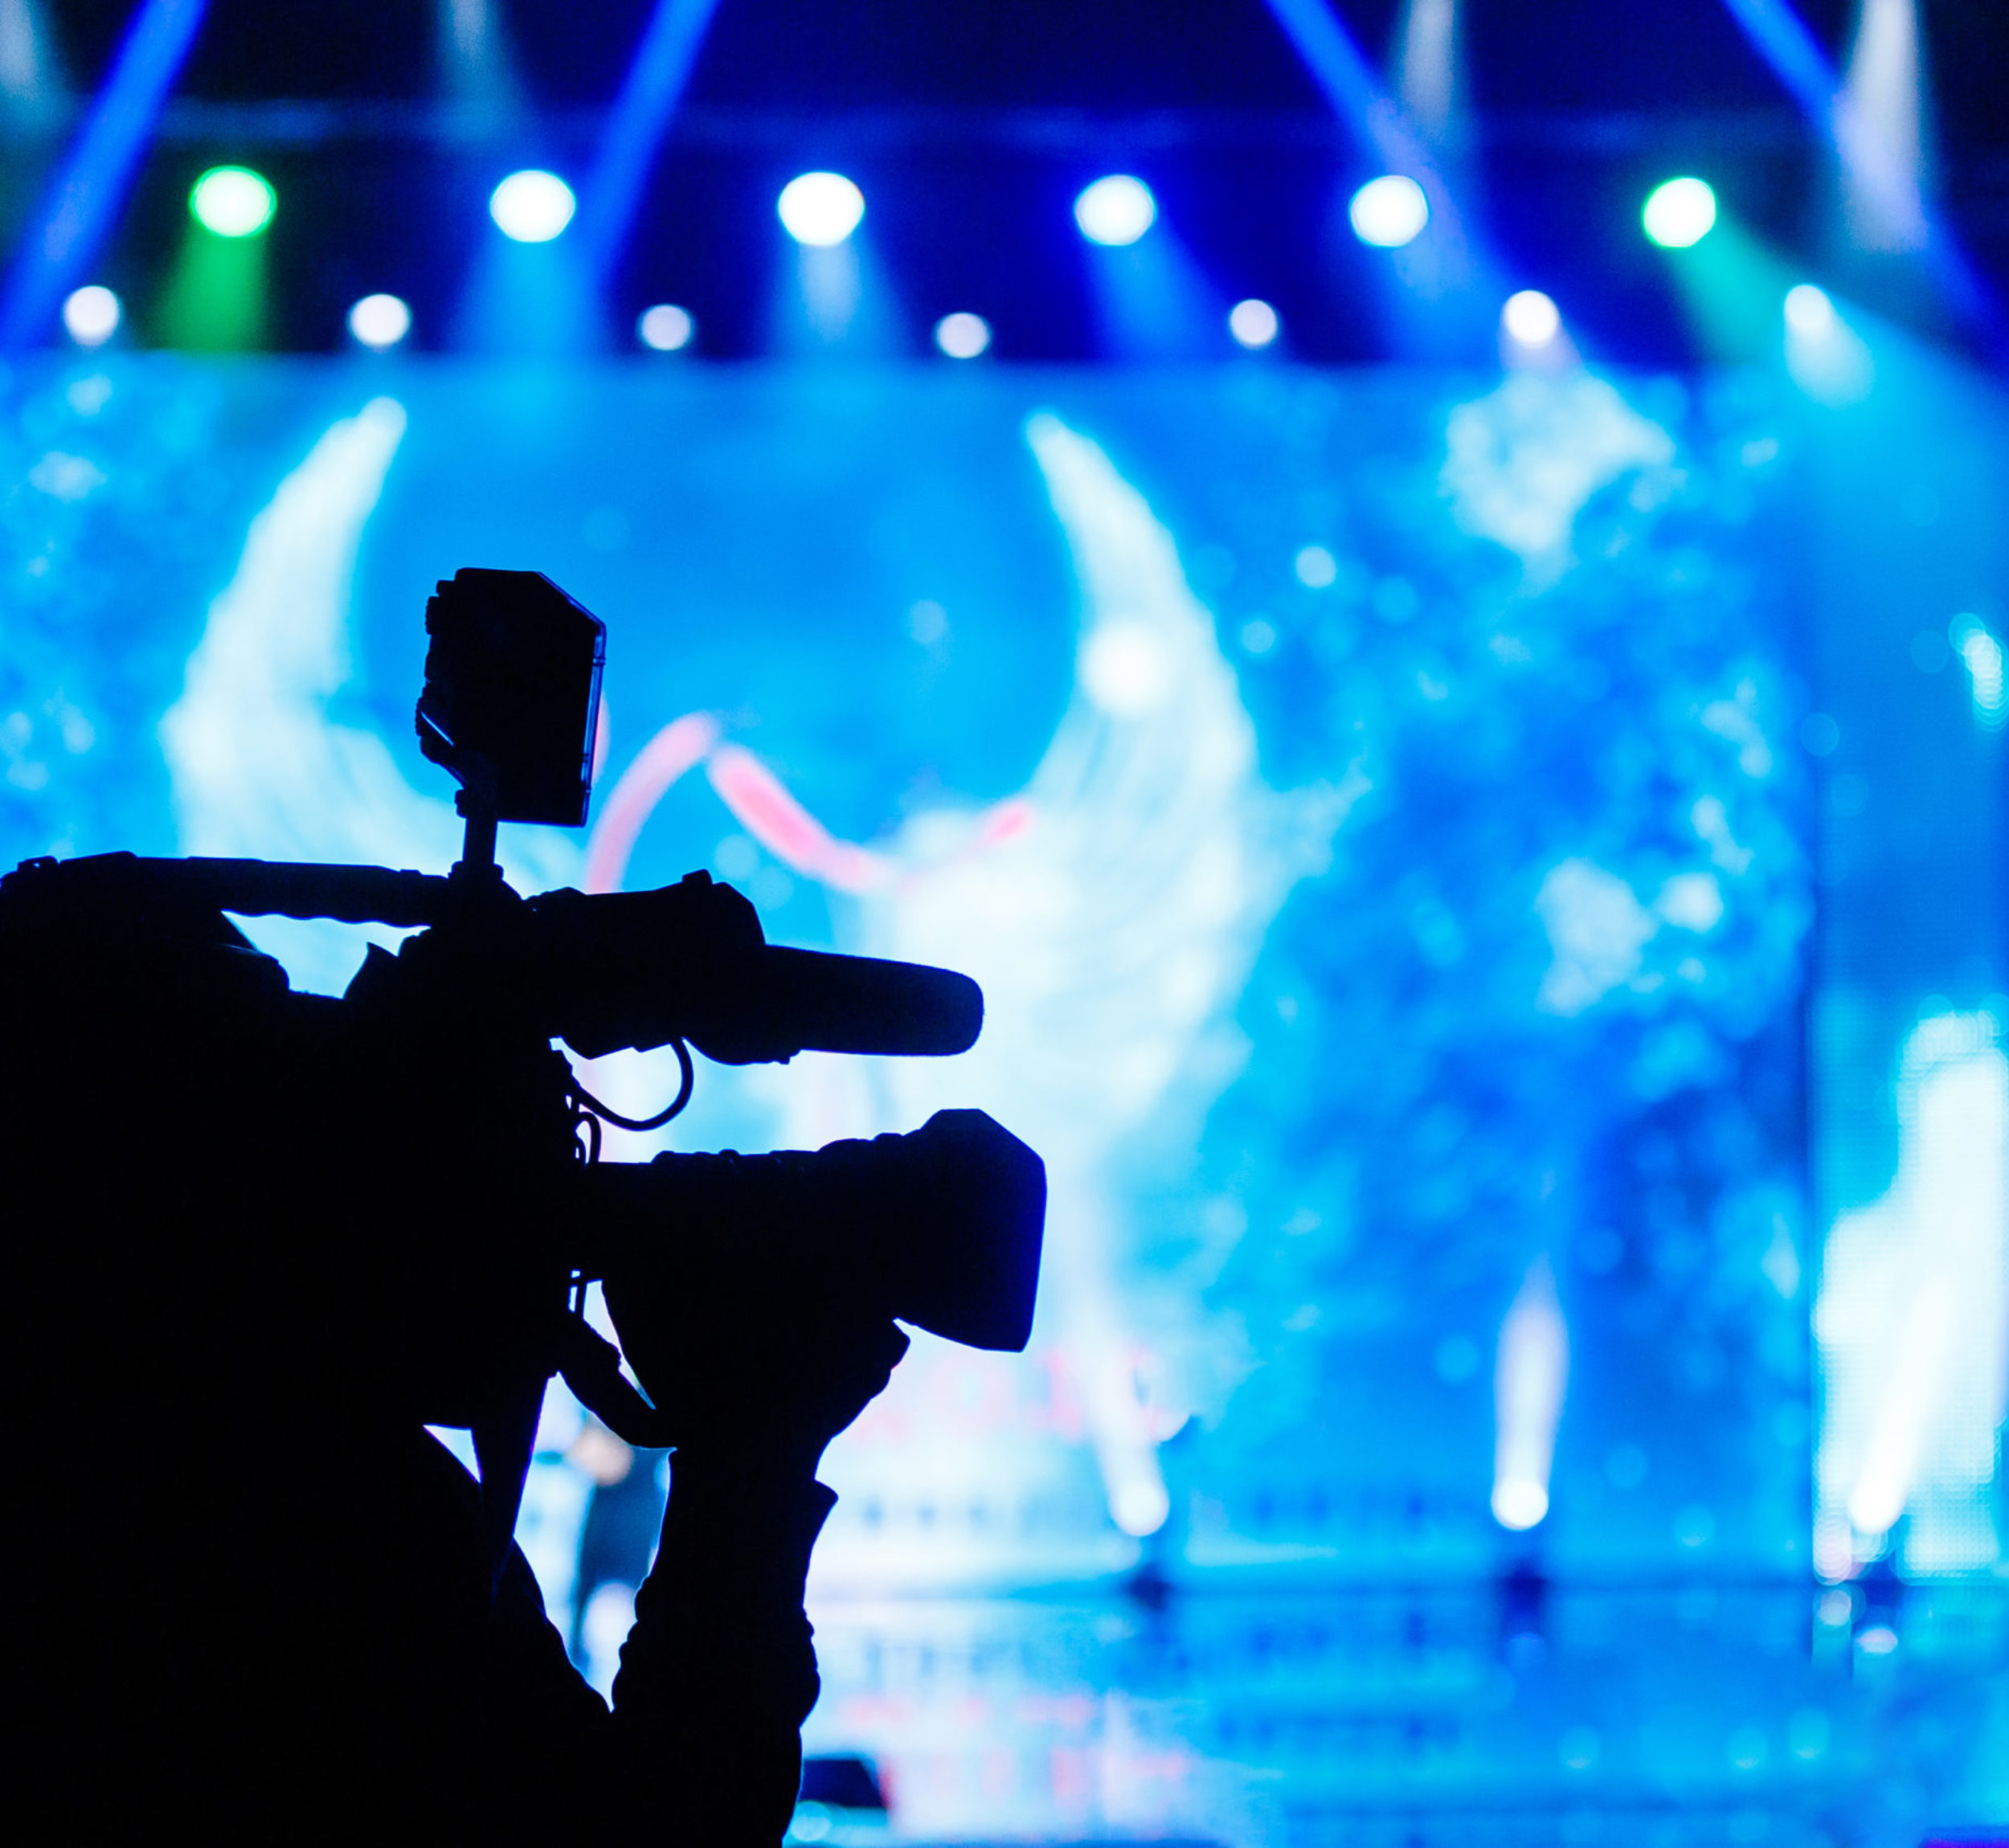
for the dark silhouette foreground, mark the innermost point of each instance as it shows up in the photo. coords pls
(255, 1241)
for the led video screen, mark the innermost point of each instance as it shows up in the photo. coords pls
(1385, 811)
(1370, 804)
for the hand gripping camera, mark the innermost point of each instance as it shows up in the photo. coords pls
(941, 1228)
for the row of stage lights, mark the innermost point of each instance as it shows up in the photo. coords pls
(822, 211)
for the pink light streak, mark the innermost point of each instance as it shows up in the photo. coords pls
(681, 744)
(764, 807)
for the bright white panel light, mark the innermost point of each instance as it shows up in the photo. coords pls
(1679, 213)
(532, 207)
(1117, 209)
(379, 321)
(1253, 324)
(1809, 313)
(820, 209)
(1389, 212)
(664, 328)
(91, 314)
(1530, 318)
(963, 336)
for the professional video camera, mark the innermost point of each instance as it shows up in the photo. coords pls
(941, 1228)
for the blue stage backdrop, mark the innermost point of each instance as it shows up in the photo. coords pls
(1381, 808)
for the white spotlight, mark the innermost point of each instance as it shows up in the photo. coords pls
(1253, 324)
(1389, 212)
(378, 321)
(1117, 209)
(91, 314)
(1809, 312)
(664, 328)
(1531, 1371)
(963, 336)
(1982, 655)
(1530, 318)
(532, 207)
(820, 209)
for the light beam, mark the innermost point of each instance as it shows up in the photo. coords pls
(65, 233)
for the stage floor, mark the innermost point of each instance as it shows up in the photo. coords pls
(1496, 1713)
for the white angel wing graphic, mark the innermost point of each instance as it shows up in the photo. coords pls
(1111, 912)
(258, 767)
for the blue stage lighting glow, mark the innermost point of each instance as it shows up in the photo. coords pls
(1269, 763)
(1253, 323)
(649, 97)
(379, 321)
(665, 328)
(91, 314)
(1316, 568)
(1530, 1374)
(1116, 210)
(820, 209)
(1809, 312)
(963, 336)
(532, 207)
(233, 202)
(84, 195)
(1982, 655)
(1389, 212)
(1679, 212)
(1530, 318)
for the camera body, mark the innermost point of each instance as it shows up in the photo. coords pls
(429, 1157)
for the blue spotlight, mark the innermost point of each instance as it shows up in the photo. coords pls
(1810, 313)
(87, 193)
(1881, 179)
(820, 209)
(650, 96)
(1389, 212)
(532, 207)
(1116, 211)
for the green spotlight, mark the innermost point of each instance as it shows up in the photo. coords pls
(1679, 213)
(233, 202)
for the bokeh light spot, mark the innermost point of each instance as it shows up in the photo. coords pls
(532, 207)
(1116, 210)
(1389, 212)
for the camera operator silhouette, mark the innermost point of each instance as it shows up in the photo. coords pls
(258, 1240)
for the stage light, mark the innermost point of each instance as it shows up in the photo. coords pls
(1982, 655)
(1519, 1503)
(1530, 318)
(532, 207)
(233, 202)
(1389, 212)
(1253, 324)
(1809, 313)
(379, 321)
(91, 314)
(1116, 210)
(1531, 1372)
(665, 328)
(1679, 213)
(963, 336)
(820, 209)
(83, 195)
